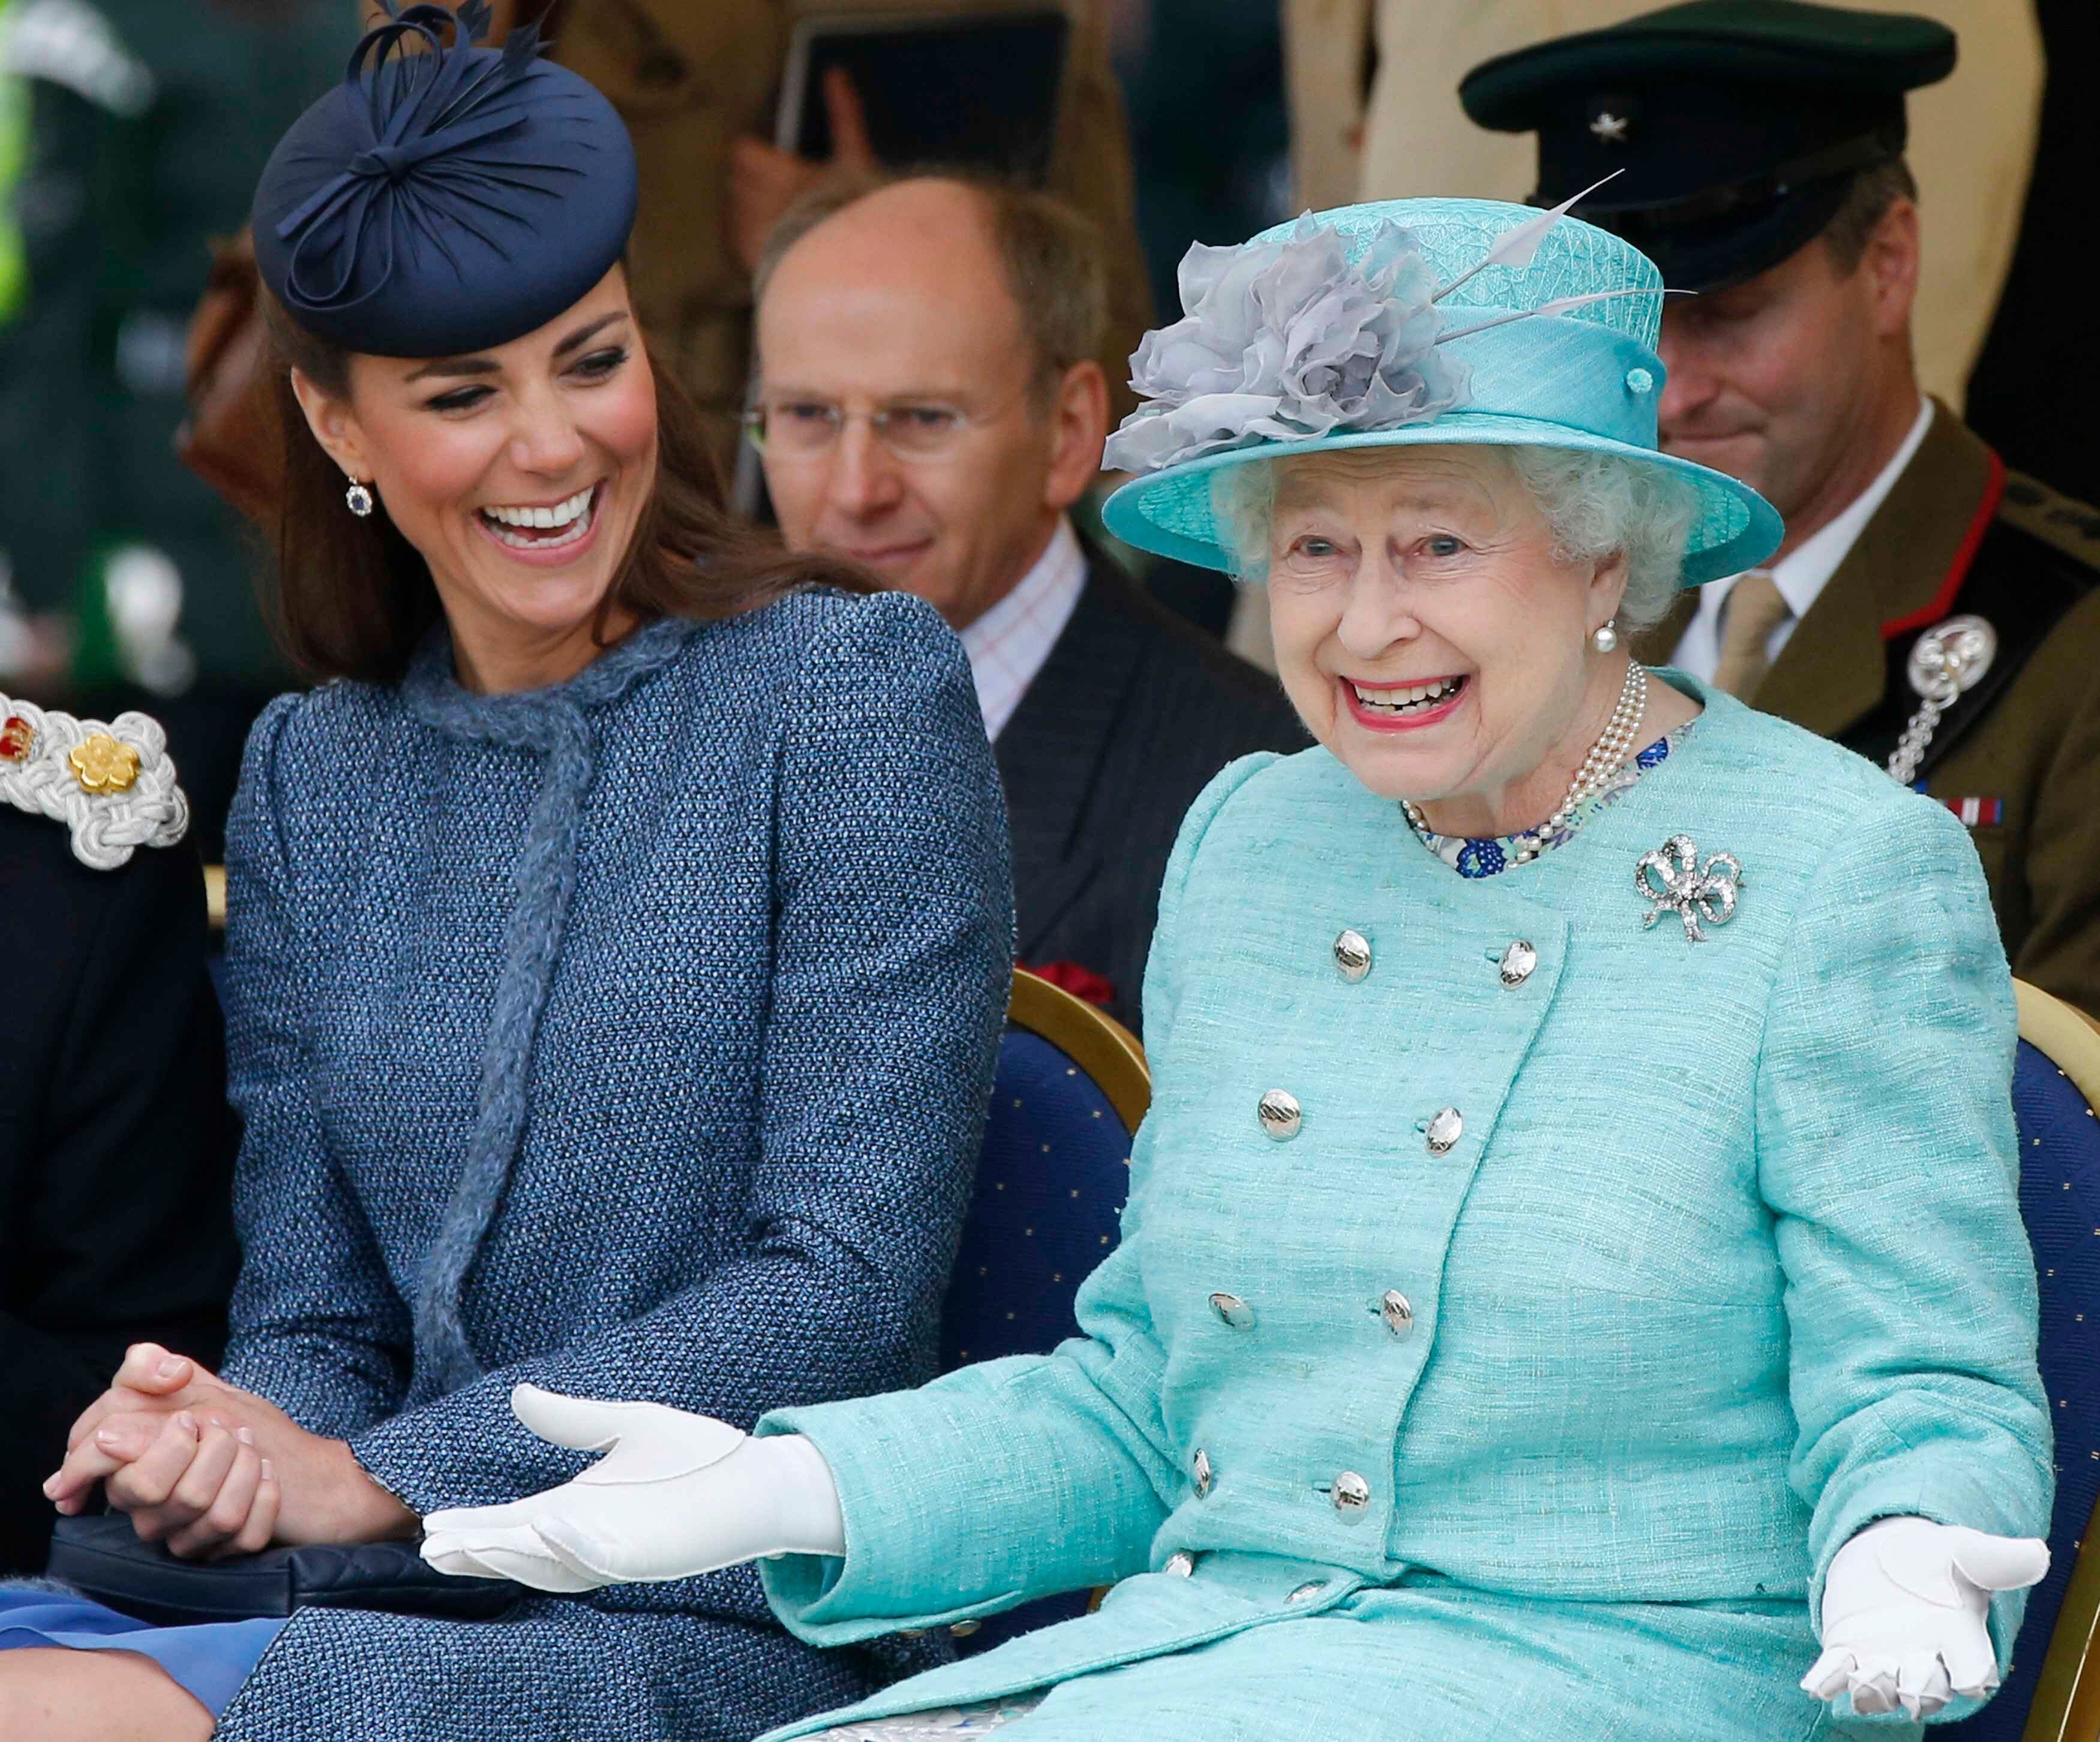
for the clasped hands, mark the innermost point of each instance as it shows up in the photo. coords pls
(1906, 1604)
(211, 1470)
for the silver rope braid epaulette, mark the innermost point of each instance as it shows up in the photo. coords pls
(112, 785)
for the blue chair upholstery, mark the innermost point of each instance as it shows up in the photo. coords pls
(2060, 1201)
(1050, 1185)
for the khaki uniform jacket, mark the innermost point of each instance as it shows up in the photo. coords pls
(1972, 136)
(690, 77)
(1959, 535)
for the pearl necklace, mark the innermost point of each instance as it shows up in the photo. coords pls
(1603, 761)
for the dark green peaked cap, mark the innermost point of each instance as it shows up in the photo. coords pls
(1739, 125)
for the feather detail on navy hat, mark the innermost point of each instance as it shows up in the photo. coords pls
(446, 197)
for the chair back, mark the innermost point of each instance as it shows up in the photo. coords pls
(2052, 1692)
(1071, 1090)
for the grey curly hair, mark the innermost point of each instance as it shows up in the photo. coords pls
(1597, 505)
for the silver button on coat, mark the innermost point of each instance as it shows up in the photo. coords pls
(1279, 1114)
(1352, 956)
(1201, 1464)
(1352, 1496)
(1306, 1592)
(1517, 963)
(1233, 1311)
(1445, 1129)
(1180, 1564)
(1397, 1312)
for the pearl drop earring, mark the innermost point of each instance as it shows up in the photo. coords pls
(1606, 638)
(359, 498)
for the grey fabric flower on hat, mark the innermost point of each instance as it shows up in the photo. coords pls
(1286, 340)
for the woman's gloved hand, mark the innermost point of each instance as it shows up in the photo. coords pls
(1905, 1606)
(675, 1495)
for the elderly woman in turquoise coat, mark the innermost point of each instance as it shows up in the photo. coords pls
(1572, 1285)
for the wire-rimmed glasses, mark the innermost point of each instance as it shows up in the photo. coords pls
(797, 427)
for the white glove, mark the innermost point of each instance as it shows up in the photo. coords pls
(1904, 1614)
(676, 1495)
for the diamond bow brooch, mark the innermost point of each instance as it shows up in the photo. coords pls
(1672, 880)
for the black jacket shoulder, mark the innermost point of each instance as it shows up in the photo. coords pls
(2068, 528)
(115, 1141)
(1132, 714)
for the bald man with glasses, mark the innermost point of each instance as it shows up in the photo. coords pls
(926, 402)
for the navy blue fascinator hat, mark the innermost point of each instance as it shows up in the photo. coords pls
(445, 197)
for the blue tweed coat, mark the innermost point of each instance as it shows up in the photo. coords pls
(1725, 1263)
(632, 1038)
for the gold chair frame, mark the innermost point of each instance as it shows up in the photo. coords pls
(2067, 1699)
(1090, 1038)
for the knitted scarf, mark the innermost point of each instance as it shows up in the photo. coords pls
(555, 724)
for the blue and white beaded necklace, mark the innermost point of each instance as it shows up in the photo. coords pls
(1605, 773)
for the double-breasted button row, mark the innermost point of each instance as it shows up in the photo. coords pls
(1392, 1306)
(1280, 1118)
(1352, 953)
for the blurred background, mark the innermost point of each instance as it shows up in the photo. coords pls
(132, 131)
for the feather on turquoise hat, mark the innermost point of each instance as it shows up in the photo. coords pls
(1407, 323)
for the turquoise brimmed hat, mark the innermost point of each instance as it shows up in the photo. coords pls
(1407, 323)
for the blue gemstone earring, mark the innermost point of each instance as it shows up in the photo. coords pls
(359, 498)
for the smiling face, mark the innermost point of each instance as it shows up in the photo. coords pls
(900, 304)
(1798, 381)
(519, 474)
(1427, 635)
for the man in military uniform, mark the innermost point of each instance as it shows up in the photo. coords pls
(1929, 609)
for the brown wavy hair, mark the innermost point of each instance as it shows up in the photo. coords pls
(353, 599)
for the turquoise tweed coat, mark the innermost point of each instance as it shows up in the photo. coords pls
(1725, 1264)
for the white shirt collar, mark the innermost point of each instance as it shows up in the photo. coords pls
(1802, 574)
(1008, 644)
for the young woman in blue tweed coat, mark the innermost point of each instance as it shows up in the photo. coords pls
(616, 960)
(1572, 1286)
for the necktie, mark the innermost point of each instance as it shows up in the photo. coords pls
(1752, 610)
